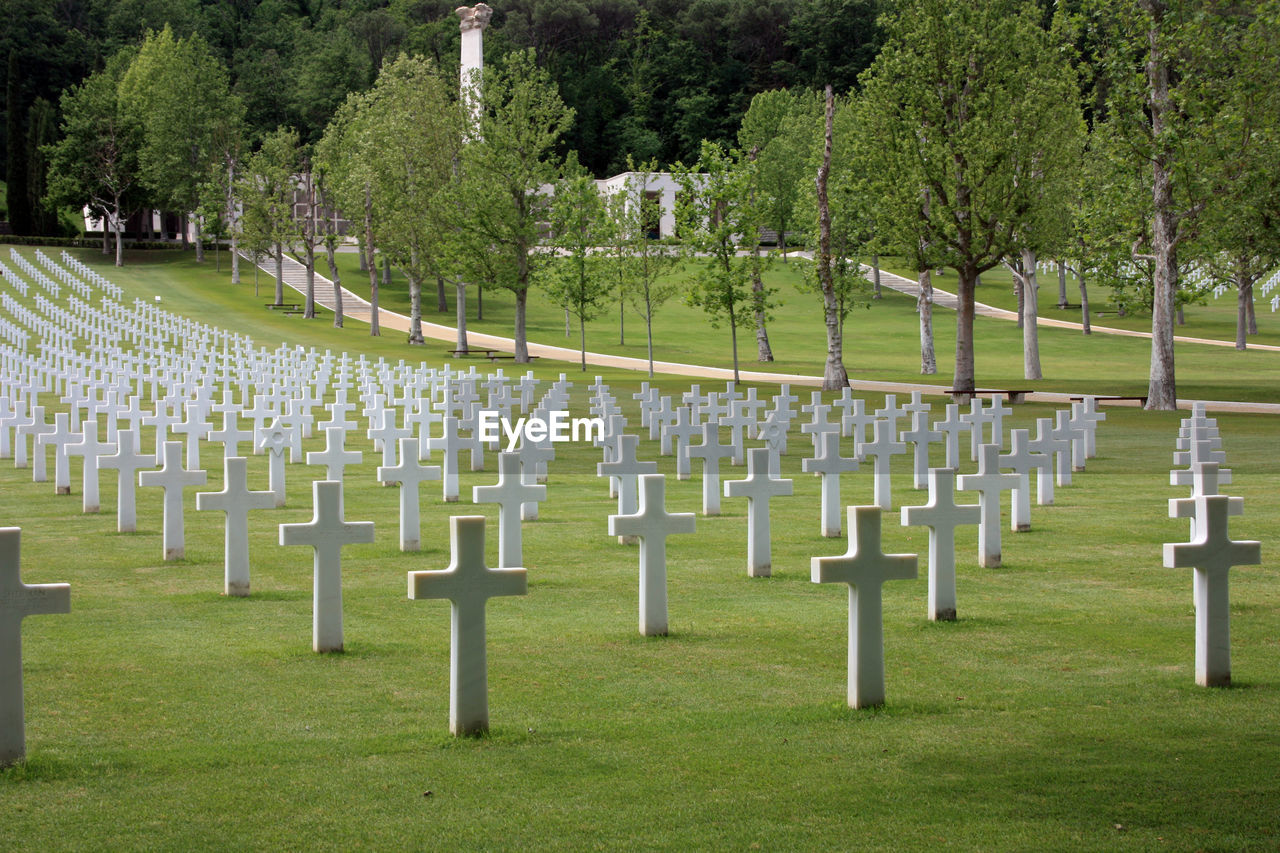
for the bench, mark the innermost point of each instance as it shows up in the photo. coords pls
(1107, 398)
(491, 354)
(1010, 396)
(283, 306)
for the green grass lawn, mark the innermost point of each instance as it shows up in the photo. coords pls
(1059, 712)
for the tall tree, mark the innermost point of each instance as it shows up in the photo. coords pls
(265, 189)
(180, 95)
(717, 207)
(410, 145)
(962, 98)
(1166, 81)
(833, 373)
(96, 162)
(505, 169)
(577, 223)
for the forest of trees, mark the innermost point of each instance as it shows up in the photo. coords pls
(1134, 140)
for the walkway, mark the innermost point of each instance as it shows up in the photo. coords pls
(357, 308)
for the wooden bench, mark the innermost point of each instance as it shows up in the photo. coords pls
(283, 306)
(1010, 396)
(491, 354)
(1107, 398)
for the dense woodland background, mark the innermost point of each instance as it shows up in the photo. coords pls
(646, 78)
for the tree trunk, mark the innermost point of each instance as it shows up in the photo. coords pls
(364, 261)
(370, 265)
(962, 380)
(479, 301)
(231, 222)
(582, 341)
(622, 324)
(442, 304)
(522, 346)
(1019, 291)
(1162, 390)
(1062, 285)
(386, 272)
(875, 279)
(1248, 307)
(195, 220)
(764, 352)
(648, 329)
(924, 307)
(1030, 317)
(106, 236)
(1084, 306)
(415, 310)
(566, 321)
(833, 373)
(309, 311)
(1244, 295)
(309, 238)
(460, 307)
(119, 235)
(279, 274)
(329, 256)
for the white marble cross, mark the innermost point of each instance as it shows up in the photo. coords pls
(626, 468)
(509, 493)
(409, 473)
(1212, 553)
(335, 457)
(61, 437)
(468, 584)
(711, 451)
(1048, 442)
(882, 449)
(854, 422)
(533, 458)
(682, 429)
(819, 424)
(1199, 450)
(37, 428)
(988, 482)
(919, 437)
(387, 436)
(1021, 460)
(127, 461)
(92, 450)
(449, 443)
(829, 465)
(652, 524)
(865, 567)
(757, 488)
(1073, 432)
(327, 532)
(235, 500)
(18, 600)
(172, 477)
(1086, 413)
(942, 515)
(231, 434)
(976, 418)
(741, 422)
(951, 426)
(1205, 481)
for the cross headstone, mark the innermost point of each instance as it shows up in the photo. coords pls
(682, 429)
(409, 473)
(61, 437)
(942, 515)
(711, 451)
(626, 467)
(757, 488)
(92, 450)
(652, 524)
(37, 428)
(1212, 553)
(829, 465)
(449, 443)
(1086, 412)
(919, 437)
(327, 532)
(1022, 461)
(989, 483)
(509, 493)
(18, 600)
(865, 567)
(127, 461)
(275, 439)
(335, 457)
(882, 449)
(235, 500)
(468, 584)
(172, 477)
(975, 419)
(231, 434)
(1205, 481)
(1048, 442)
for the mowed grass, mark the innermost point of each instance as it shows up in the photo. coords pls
(1059, 712)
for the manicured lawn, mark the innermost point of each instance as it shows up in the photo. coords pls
(1059, 712)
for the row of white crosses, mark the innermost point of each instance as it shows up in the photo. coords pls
(1210, 552)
